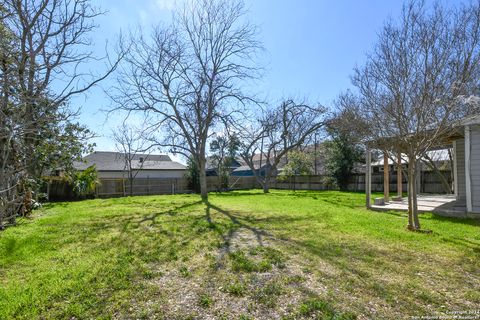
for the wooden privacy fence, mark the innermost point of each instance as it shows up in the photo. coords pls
(429, 182)
(118, 187)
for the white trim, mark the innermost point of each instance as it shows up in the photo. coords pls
(468, 180)
(368, 177)
(455, 169)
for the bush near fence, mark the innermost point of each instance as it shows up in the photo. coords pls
(58, 190)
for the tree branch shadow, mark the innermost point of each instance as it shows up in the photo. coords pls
(171, 211)
(230, 235)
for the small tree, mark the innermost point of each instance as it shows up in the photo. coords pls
(224, 149)
(299, 164)
(346, 131)
(341, 156)
(279, 131)
(418, 81)
(85, 182)
(131, 145)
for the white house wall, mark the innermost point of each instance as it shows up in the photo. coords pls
(475, 167)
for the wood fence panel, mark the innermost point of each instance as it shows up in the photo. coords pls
(60, 190)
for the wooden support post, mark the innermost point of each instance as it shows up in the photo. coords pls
(368, 177)
(399, 175)
(386, 177)
(455, 170)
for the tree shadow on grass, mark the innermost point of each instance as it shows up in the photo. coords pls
(467, 221)
(339, 255)
(237, 224)
(250, 192)
(171, 212)
(324, 250)
(467, 244)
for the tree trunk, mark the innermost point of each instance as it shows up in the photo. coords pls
(266, 186)
(413, 222)
(266, 180)
(416, 221)
(27, 201)
(131, 186)
(203, 178)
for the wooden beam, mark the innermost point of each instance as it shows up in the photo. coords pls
(368, 177)
(399, 175)
(386, 177)
(468, 179)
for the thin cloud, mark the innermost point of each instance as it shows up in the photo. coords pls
(166, 5)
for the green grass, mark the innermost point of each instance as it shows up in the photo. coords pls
(205, 300)
(245, 255)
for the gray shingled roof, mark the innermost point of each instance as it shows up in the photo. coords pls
(114, 161)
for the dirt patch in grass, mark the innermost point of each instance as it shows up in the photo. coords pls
(247, 278)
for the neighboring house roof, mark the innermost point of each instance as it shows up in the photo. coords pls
(115, 161)
(247, 168)
(211, 163)
(240, 164)
(157, 165)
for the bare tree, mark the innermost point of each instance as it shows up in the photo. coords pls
(50, 61)
(430, 161)
(418, 80)
(132, 146)
(45, 61)
(10, 118)
(187, 78)
(279, 131)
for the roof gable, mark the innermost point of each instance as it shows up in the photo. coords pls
(115, 161)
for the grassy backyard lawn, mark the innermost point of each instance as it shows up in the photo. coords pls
(246, 255)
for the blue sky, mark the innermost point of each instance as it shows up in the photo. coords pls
(311, 47)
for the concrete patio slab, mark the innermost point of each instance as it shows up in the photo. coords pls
(445, 205)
